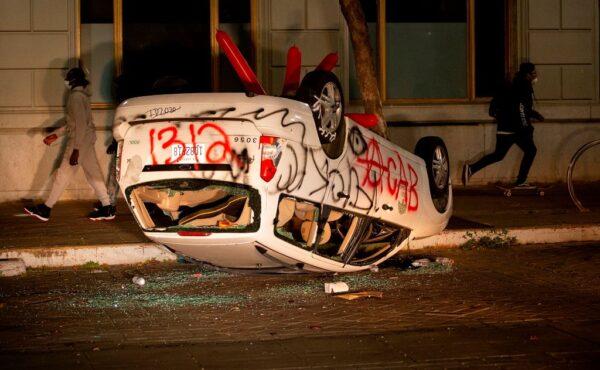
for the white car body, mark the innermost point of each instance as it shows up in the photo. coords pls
(372, 179)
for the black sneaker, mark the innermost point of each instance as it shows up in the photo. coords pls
(40, 211)
(103, 213)
(98, 205)
(466, 174)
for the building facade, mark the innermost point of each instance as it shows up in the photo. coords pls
(438, 64)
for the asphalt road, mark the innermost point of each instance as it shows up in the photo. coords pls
(522, 307)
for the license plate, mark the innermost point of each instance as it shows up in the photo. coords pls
(191, 153)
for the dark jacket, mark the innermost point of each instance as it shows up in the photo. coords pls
(513, 107)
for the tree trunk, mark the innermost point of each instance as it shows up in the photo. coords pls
(365, 65)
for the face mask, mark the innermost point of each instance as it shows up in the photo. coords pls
(534, 81)
(67, 84)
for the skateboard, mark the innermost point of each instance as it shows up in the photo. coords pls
(510, 190)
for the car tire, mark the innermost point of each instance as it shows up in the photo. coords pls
(322, 91)
(433, 151)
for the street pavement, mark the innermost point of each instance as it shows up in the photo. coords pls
(513, 307)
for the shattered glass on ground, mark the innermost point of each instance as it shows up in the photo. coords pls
(176, 285)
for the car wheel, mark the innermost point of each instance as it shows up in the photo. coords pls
(434, 153)
(322, 91)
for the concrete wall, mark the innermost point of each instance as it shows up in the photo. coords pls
(560, 36)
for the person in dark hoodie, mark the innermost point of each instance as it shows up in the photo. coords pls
(513, 110)
(81, 134)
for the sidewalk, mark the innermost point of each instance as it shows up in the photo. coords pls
(69, 238)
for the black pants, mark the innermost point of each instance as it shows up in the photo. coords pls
(503, 144)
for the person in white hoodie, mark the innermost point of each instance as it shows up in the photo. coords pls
(81, 134)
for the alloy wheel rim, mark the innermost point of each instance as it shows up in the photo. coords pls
(329, 108)
(439, 167)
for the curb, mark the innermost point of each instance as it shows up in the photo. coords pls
(132, 253)
(12, 267)
(104, 254)
(529, 235)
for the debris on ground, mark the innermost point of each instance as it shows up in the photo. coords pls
(423, 262)
(197, 275)
(420, 264)
(365, 281)
(492, 239)
(336, 287)
(138, 280)
(445, 261)
(168, 290)
(430, 269)
(358, 295)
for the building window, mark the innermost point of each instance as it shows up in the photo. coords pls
(490, 46)
(165, 48)
(135, 48)
(235, 19)
(437, 50)
(96, 47)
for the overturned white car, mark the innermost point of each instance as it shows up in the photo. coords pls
(249, 181)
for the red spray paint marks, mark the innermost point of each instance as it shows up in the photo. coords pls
(401, 179)
(219, 151)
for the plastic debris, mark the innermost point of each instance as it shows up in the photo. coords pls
(421, 262)
(374, 268)
(138, 280)
(197, 275)
(358, 295)
(337, 287)
(445, 261)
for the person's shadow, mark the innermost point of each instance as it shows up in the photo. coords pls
(42, 177)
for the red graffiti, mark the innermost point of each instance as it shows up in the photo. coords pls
(398, 184)
(172, 141)
(154, 161)
(219, 151)
(223, 143)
